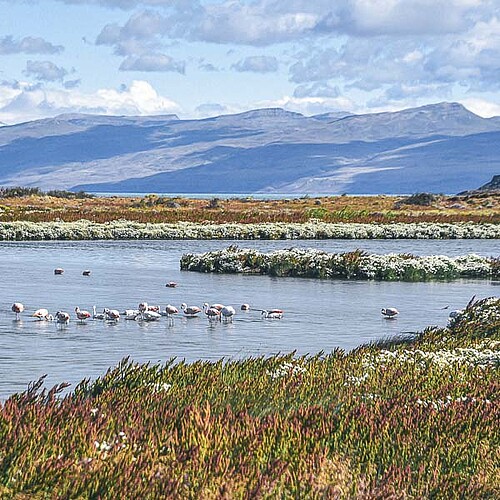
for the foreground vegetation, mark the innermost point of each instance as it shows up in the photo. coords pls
(402, 419)
(124, 230)
(310, 263)
(30, 204)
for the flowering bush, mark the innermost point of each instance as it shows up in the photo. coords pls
(313, 263)
(124, 229)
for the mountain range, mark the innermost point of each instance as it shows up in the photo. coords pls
(440, 148)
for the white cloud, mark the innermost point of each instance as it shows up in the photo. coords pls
(257, 64)
(28, 45)
(482, 107)
(45, 71)
(153, 62)
(24, 103)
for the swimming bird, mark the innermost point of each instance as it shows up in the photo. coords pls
(97, 315)
(86, 272)
(389, 312)
(272, 313)
(17, 308)
(211, 312)
(111, 314)
(190, 311)
(82, 315)
(42, 315)
(227, 313)
(245, 307)
(170, 310)
(62, 317)
(58, 270)
(171, 284)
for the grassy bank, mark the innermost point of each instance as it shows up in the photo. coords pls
(312, 263)
(123, 230)
(71, 207)
(395, 420)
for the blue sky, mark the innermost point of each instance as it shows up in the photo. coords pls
(206, 57)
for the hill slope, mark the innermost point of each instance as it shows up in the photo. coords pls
(438, 148)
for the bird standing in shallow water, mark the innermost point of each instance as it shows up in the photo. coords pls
(190, 311)
(97, 315)
(42, 315)
(62, 317)
(171, 310)
(82, 315)
(389, 312)
(17, 308)
(227, 313)
(212, 312)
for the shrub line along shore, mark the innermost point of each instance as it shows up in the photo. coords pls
(128, 230)
(311, 263)
(403, 419)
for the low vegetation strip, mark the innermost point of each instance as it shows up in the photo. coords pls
(311, 263)
(401, 419)
(124, 229)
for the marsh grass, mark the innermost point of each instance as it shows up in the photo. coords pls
(402, 420)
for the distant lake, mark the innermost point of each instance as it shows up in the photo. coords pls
(227, 196)
(319, 315)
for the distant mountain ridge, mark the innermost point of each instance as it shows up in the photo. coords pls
(435, 148)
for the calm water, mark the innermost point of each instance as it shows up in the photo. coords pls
(319, 315)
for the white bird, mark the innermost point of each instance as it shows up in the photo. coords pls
(131, 314)
(170, 310)
(272, 313)
(97, 315)
(42, 315)
(111, 314)
(389, 312)
(149, 316)
(62, 317)
(190, 311)
(245, 307)
(82, 315)
(17, 308)
(227, 313)
(211, 312)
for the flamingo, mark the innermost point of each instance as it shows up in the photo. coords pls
(42, 315)
(227, 313)
(272, 313)
(17, 308)
(111, 314)
(211, 312)
(62, 317)
(190, 311)
(389, 312)
(131, 314)
(219, 307)
(149, 315)
(171, 310)
(82, 315)
(245, 307)
(97, 315)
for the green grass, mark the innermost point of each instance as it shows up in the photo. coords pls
(404, 419)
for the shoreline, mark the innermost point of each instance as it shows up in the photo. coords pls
(129, 230)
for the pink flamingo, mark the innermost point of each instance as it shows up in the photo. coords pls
(17, 308)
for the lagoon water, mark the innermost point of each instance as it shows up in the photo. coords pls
(319, 315)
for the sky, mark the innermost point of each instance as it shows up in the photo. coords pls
(203, 58)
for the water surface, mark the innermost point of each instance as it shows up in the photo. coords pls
(319, 315)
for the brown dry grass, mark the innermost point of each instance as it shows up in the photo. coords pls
(248, 210)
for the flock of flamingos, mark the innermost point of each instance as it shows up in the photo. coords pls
(145, 312)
